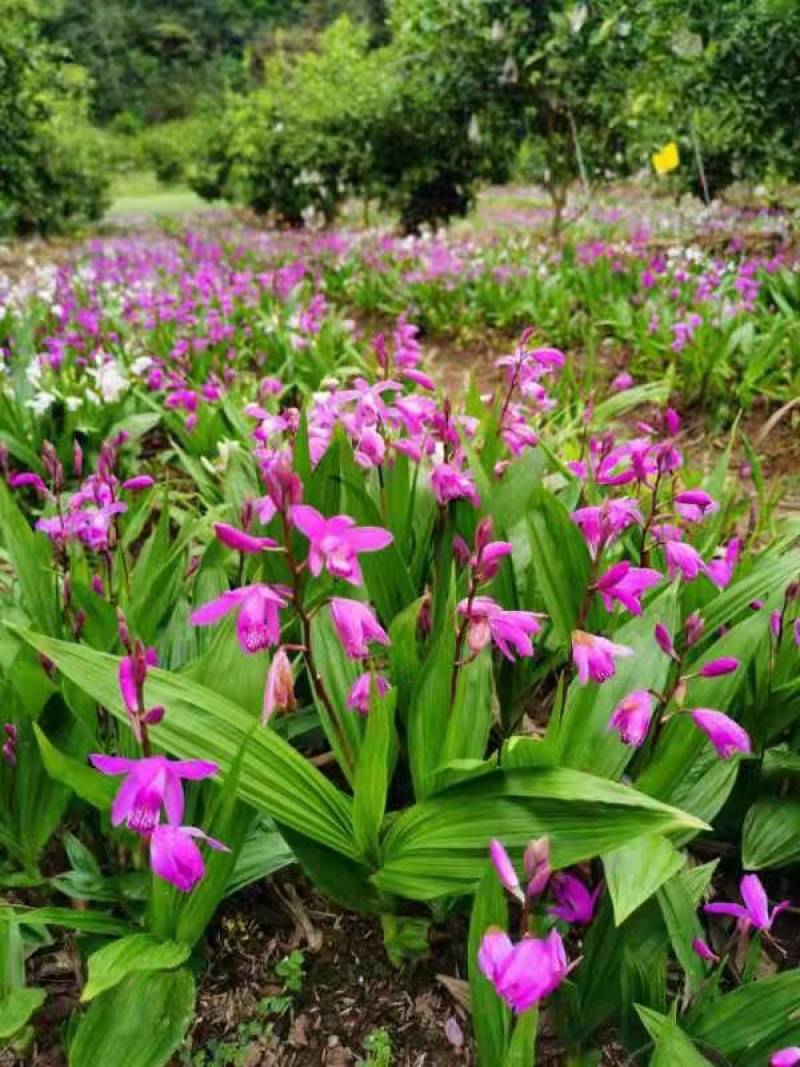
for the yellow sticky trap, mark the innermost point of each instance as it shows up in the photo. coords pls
(666, 159)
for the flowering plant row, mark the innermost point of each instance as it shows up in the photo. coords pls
(418, 646)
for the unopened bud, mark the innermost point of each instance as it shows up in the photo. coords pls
(537, 865)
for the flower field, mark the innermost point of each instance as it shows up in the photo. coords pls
(441, 593)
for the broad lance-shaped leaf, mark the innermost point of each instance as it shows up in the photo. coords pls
(139, 1023)
(491, 1016)
(90, 922)
(679, 909)
(93, 787)
(636, 870)
(771, 834)
(339, 673)
(673, 1048)
(470, 718)
(202, 725)
(751, 1022)
(585, 740)
(373, 773)
(560, 560)
(439, 846)
(16, 1008)
(429, 705)
(136, 952)
(30, 554)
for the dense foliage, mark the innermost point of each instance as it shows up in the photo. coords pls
(273, 595)
(51, 167)
(588, 91)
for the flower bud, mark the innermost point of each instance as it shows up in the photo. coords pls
(537, 865)
(505, 869)
(664, 640)
(717, 667)
(693, 628)
(483, 533)
(279, 690)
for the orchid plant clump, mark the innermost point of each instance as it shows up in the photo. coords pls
(294, 603)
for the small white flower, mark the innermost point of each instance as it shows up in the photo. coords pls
(41, 403)
(141, 365)
(72, 403)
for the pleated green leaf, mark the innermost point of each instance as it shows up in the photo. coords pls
(136, 952)
(750, 1023)
(771, 833)
(139, 1023)
(439, 846)
(16, 1007)
(560, 560)
(203, 725)
(634, 871)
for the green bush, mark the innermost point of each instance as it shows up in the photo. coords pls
(52, 169)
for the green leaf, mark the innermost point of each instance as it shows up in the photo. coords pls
(491, 1016)
(750, 1023)
(140, 1022)
(511, 496)
(672, 1046)
(345, 881)
(17, 1007)
(522, 1047)
(560, 560)
(202, 725)
(429, 707)
(470, 717)
(89, 922)
(264, 851)
(135, 952)
(585, 740)
(95, 788)
(373, 772)
(30, 554)
(339, 672)
(439, 846)
(404, 653)
(771, 833)
(683, 926)
(636, 870)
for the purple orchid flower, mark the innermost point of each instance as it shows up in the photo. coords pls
(511, 631)
(360, 694)
(175, 857)
(632, 716)
(258, 623)
(727, 736)
(594, 656)
(627, 585)
(526, 972)
(683, 559)
(149, 784)
(785, 1057)
(336, 542)
(755, 910)
(704, 951)
(356, 625)
(573, 901)
(240, 541)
